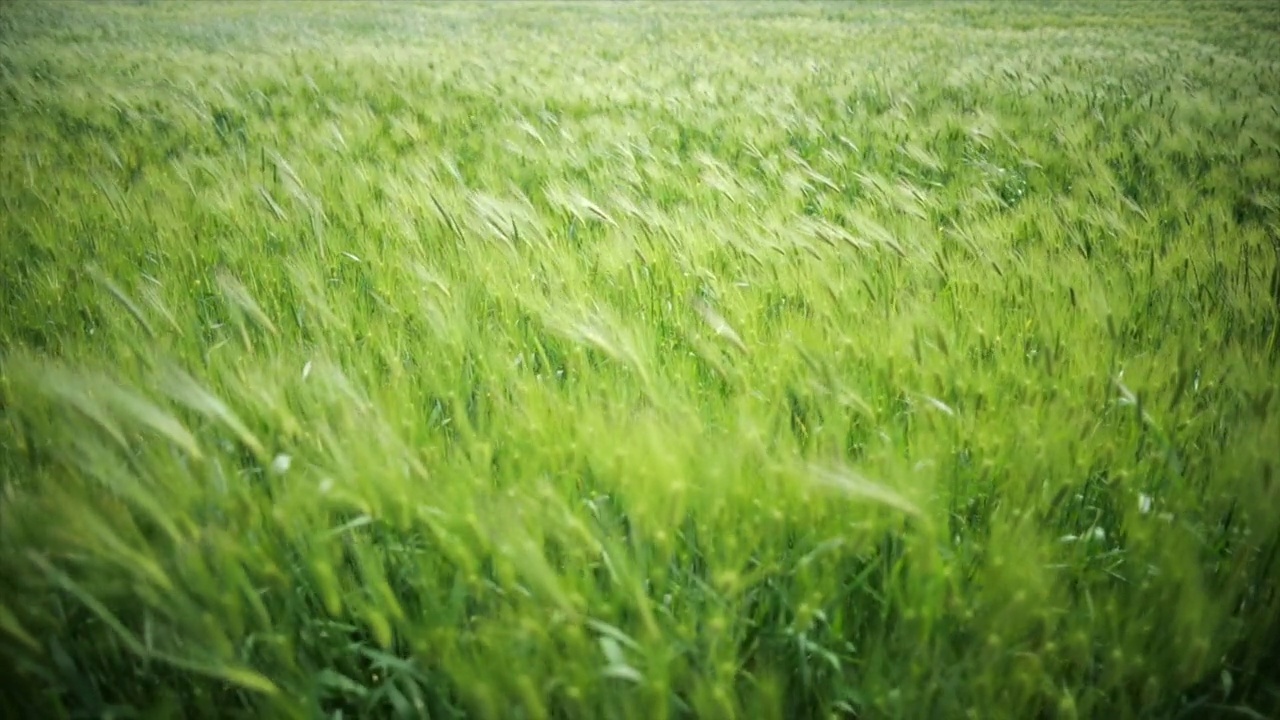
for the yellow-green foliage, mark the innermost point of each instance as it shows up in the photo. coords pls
(875, 360)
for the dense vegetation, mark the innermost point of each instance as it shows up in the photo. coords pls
(874, 360)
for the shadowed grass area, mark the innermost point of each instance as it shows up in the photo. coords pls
(640, 360)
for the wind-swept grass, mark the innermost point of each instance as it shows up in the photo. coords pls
(874, 360)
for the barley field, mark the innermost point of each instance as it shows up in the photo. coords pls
(640, 360)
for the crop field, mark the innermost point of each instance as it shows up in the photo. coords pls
(640, 360)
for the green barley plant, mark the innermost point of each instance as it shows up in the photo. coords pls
(640, 360)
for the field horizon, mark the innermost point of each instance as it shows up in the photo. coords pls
(640, 360)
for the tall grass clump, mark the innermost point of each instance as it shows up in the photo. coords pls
(640, 360)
